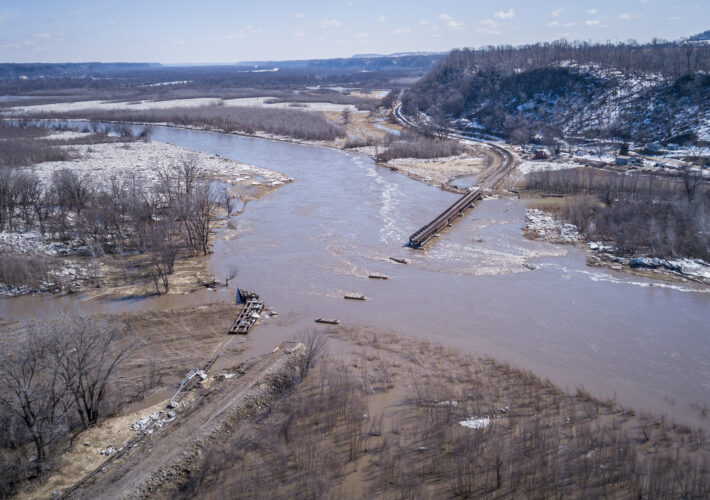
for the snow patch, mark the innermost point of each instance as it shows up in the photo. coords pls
(475, 422)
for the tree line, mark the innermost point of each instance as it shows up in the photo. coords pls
(541, 89)
(120, 217)
(641, 214)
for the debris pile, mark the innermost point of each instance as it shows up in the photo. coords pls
(147, 425)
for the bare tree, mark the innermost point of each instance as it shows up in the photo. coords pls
(162, 246)
(226, 200)
(188, 173)
(32, 390)
(691, 179)
(200, 218)
(86, 351)
(315, 343)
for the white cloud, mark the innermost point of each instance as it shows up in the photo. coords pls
(556, 12)
(591, 11)
(331, 23)
(362, 35)
(298, 33)
(402, 31)
(246, 32)
(557, 24)
(592, 22)
(381, 19)
(424, 22)
(625, 16)
(299, 15)
(507, 14)
(450, 22)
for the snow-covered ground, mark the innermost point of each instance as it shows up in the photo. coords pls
(547, 228)
(528, 166)
(144, 160)
(260, 102)
(64, 107)
(145, 105)
(475, 423)
(65, 135)
(102, 162)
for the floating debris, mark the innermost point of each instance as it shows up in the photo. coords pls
(328, 321)
(355, 296)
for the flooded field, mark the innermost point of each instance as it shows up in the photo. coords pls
(310, 242)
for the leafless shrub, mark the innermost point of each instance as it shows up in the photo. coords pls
(25, 270)
(420, 147)
(315, 343)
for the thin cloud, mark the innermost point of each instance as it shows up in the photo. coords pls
(6, 15)
(382, 19)
(507, 14)
(591, 11)
(246, 32)
(298, 33)
(557, 24)
(402, 31)
(625, 16)
(330, 23)
(299, 15)
(488, 27)
(595, 23)
(556, 12)
(450, 22)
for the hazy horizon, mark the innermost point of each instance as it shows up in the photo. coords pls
(221, 32)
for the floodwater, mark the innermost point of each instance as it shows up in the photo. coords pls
(307, 244)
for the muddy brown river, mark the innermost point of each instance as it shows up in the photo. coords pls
(307, 244)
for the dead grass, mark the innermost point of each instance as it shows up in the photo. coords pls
(333, 437)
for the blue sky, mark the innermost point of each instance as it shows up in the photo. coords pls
(205, 31)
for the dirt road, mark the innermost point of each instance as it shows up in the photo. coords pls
(208, 412)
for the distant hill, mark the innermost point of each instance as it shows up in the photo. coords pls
(654, 92)
(371, 62)
(68, 70)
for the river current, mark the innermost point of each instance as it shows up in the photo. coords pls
(308, 243)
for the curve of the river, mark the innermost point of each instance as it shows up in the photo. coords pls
(305, 245)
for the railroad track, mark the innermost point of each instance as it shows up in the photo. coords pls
(420, 237)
